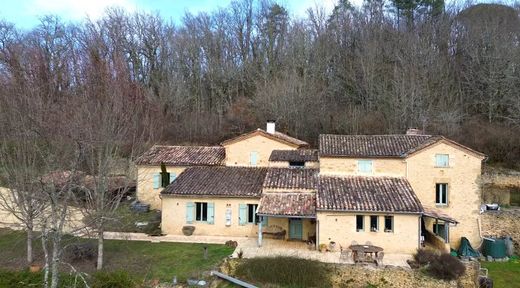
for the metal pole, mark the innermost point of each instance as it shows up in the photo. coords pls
(260, 231)
(233, 280)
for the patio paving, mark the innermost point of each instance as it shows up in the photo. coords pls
(271, 248)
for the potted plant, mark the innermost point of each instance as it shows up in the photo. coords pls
(35, 268)
(332, 246)
(188, 230)
(323, 247)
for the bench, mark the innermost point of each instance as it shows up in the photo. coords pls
(275, 231)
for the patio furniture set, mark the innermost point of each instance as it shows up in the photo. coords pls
(360, 253)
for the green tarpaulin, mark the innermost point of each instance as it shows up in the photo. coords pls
(465, 249)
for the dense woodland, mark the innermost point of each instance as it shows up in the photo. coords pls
(379, 68)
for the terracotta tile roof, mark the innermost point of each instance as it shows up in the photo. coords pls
(183, 155)
(298, 155)
(278, 136)
(288, 204)
(219, 181)
(372, 145)
(435, 213)
(358, 193)
(291, 178)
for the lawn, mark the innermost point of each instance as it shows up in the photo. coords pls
(143, 259)
(504, 274)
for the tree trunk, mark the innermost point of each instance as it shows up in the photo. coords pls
(100, 248)
(29, 245)
(46, 256)
(55, 260)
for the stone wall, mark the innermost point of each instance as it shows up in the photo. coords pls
(503, 223)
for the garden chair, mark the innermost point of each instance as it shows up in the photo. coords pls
(345, 254)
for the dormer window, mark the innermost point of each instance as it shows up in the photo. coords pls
(297, 164)
(365, 166)
(442, 160)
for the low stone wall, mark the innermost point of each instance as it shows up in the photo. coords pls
(370, 276)
(503, 223)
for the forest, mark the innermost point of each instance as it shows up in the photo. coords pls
(375, 69)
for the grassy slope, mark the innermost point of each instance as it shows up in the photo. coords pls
(145, 259)
(504, 274)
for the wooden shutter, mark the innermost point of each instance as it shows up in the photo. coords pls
(242, 214)
(211, 213)
(189, 212)
(156, 181)
(253, 158)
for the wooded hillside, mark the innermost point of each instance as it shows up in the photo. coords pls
(379, 68)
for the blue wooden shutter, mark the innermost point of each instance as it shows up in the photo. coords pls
(242, 214)
(211, 213)
(253, 158)
(189, 212)
(156, 181)
(172, 177)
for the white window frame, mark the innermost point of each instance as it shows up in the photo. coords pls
(201, 219)
(255, 217)
(391, 223)
(442, 160)
(443, 201)
(362, 223)
(377, 223)
(362, 168)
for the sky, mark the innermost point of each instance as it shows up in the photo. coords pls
(25, 13)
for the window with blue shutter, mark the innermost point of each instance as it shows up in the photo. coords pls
(442, 160)
(189, 212)
(172, 177)
(365, 166)
(211, 213)
(242, 214)
(156, 181)
(253, 158)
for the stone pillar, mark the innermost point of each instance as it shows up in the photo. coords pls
(260, 231)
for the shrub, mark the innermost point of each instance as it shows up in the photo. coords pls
(425, 256)
(285, 271)
(118, 279)
(80, 252)
(446, 267)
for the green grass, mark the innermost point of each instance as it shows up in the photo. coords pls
(284, 272)
(143, 259)
(504, 274)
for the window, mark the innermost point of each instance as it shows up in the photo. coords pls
(442, 160)
(298, 164)
(360, 223)
(389, 223)
(253, 158)
(251, 213)
(374, 223)
(441, 194)
(440, 230)
(201, 211)
(365, 166)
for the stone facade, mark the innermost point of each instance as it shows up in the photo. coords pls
(462, 177)
(340, 166)
(239, 153)
(146, 192)
(340, 227)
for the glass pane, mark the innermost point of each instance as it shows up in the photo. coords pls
(204, 211)
(359, 222)
(373, 223)
(198, 209)
(442, 160)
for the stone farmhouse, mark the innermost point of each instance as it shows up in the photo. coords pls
(396, 191)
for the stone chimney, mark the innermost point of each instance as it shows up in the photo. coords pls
(414, 131)
(271, 126)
